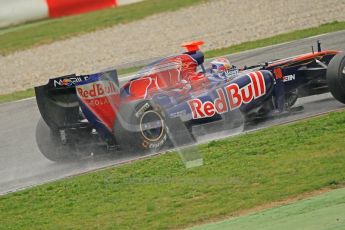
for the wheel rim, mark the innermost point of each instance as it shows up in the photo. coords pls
(152, 125)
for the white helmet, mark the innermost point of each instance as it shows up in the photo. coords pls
(222, 68)
(220, 65)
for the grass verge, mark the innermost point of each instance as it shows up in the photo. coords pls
(326, 28)
(325, 211)
(42, 32)
(281, 38)
(158, 193)
(17, 95)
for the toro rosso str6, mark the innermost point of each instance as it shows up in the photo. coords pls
(89, 114)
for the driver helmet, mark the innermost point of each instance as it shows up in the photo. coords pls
(222, 67)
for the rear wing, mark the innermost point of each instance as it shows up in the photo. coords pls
(58, 101)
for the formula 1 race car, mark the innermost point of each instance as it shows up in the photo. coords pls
(157, 109)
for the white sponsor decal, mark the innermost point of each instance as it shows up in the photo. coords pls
(178, 114)
(68, 81)
(142, 110)
(291, 77)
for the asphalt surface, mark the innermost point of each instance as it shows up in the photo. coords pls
(22, 165)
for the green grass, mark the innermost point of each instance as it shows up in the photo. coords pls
(17, 95)
(158, 193)
(42, 32)
(330, 27)
(281, 38)
(129, 70)
(317, 213)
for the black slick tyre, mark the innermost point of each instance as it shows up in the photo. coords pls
(140, 126)
(336, 77)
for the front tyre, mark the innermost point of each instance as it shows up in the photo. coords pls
(291, 98)
(141, 126)
(336, 77)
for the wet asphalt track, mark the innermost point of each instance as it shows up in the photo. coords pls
(22, 165)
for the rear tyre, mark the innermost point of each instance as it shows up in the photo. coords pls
(336, 77)
(141, 126)
(50, 145)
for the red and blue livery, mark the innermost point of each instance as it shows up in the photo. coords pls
(89, 114)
